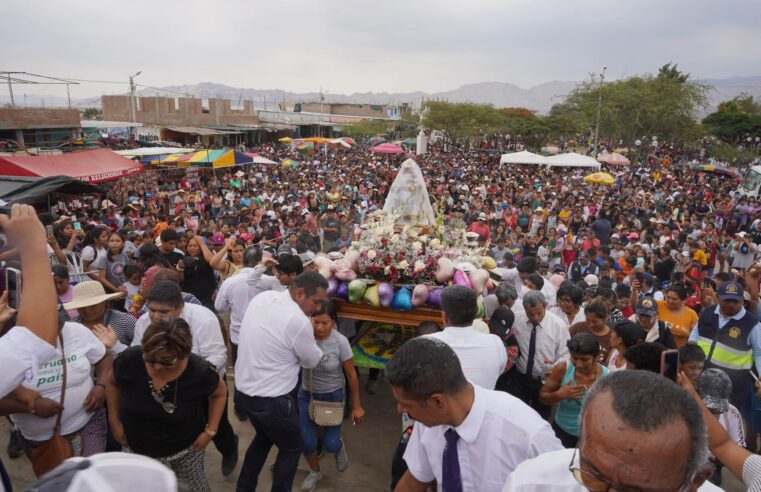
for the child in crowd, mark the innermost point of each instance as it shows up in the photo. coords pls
(691, 362)
(133, 275)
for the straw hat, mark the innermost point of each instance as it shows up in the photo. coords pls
(88, 294)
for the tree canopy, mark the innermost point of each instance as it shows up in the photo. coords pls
(735, 119)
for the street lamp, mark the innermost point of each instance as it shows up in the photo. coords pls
(599, 108)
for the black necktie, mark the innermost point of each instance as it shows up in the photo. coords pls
(531, 352)
(451, 481)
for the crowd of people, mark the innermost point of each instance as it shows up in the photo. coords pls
(183, 286)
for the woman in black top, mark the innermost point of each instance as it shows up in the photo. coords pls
(160, 390)
(198, 276)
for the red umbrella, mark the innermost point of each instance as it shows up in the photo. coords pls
(387, 148)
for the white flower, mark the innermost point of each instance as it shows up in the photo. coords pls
(435, 243)
(412, 233)
(355, 244)
(395, 238)
(419, 266)
(387, 270)
(423, 239)
(403, 265)
(371, 254)
(417, 246)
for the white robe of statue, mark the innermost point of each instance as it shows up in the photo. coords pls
(409, 191)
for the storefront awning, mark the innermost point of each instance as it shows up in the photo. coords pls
(92, 166)
(195, 130)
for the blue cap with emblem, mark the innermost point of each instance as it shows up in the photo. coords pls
(730, 291)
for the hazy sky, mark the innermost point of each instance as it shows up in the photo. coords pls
(359, 46)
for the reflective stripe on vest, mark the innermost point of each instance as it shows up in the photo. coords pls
(727, 357)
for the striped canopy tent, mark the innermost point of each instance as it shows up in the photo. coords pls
(203, 158)
(171, 160)
(317, 139)
(232, 158)
(259, 159)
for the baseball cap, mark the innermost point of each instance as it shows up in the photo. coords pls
(583, 255)
(482, 216)
(714, 387)
(631, 333)
(730, 291)
(501, 321)
(330, 208)
(646, 307)
(307, 258)
(217, 239)
(558, 268)
(633, 235)
(304, 212)
(591, 279)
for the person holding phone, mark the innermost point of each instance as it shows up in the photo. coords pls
(35, 335)
(568, 384)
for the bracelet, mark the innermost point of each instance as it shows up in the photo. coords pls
(101, 385)
(210, 432)
(33, 405)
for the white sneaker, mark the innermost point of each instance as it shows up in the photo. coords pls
(310, 482)
(342, 459)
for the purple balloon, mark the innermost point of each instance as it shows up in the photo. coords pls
(332, 287)
(434, 298)
(385, 294)
(343, 291)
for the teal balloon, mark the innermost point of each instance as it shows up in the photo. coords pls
(402, 300)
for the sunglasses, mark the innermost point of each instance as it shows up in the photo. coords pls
(165, 363)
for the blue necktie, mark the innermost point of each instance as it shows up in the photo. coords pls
(451, 481)
(531, 352)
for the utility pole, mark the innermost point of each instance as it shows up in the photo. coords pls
(599, 108)
(10, 90)
(132, 102)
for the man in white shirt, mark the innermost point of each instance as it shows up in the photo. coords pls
(542, 338)
(661, 446)
(276, 339)
(520, 273)
(465, 437)
(165, 302)
(482, 357)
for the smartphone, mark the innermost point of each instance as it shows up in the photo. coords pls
(49, 230)
(670, 364)
(640, 277)
(13, 286)
(77, 226)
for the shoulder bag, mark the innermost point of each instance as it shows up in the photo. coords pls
(324, 413)
(49, 455)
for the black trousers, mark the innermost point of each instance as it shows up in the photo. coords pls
(398, 465)
(525, 389)
(276, 422)
(224, 441)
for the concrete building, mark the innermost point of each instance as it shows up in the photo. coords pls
(43, 128)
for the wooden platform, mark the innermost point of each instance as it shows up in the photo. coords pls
(367, 312)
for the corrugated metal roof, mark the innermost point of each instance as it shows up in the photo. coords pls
(195, 130)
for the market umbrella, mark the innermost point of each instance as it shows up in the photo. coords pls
(316, 139)
(718, 170)
(614, 159)
(290, 163)
(387, 148)
(338, 142)
(349, 140)
(604, 179)
(376, 140)
(285, 140)
(259, 159)
(231, 158)
(409, 142)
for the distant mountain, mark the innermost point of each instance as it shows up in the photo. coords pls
(501, 94)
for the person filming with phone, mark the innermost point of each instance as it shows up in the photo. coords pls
(731, 339)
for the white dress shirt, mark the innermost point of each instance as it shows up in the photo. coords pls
(551, 339)
(499, 433)
(580, 316)
(482, 357)
(234, 294)
(276, 339)
(549, 473)
(208, 342)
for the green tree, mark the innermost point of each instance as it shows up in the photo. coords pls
(735, 119)
(665, 106)
(92, 114)
(367, 128)
(462, 121)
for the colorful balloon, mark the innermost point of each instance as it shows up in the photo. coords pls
(420, 294)
(332, 287)
(386, 294)
(461, 278)
(343, 291)
(371, 296)
(434, 298)
(444, 270)
(356, 290)
(402, 300)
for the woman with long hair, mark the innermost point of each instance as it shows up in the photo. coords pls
(111, 265)
(94, 246)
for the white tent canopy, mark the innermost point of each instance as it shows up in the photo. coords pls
(572, 159)
(148, 151)
(263, 160)
(523, 157)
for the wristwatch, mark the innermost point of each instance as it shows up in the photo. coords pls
(210, 432)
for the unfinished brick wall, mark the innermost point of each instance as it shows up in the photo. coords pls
(30, 118)
(183, 111)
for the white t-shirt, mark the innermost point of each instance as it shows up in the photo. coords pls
(482, 356)
(20, 349)
(82, 350)
(89, 253)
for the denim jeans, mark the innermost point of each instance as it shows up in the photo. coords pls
(331, 437)
(276, 423)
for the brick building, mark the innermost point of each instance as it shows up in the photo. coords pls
(39, 127)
